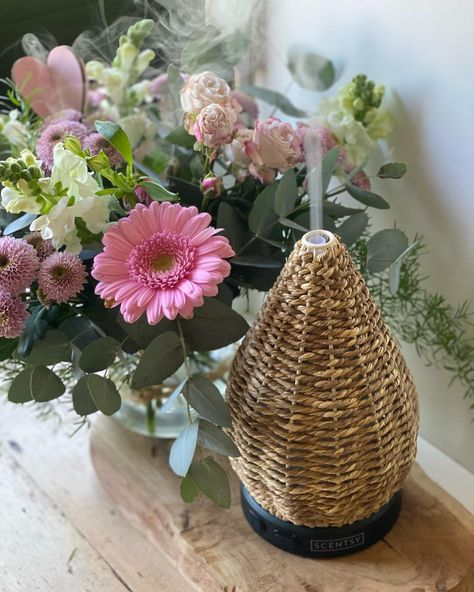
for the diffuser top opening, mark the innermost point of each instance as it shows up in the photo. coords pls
(318, 239)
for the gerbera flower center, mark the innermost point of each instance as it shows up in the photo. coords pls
(59, 273)
(161, 260)
(3, 260)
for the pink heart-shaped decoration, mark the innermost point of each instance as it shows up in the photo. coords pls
(59, 84)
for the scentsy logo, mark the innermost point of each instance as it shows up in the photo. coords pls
(349, 542)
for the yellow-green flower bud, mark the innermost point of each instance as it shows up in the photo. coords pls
(28, 157)
(73, 144)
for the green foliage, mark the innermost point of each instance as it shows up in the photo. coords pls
(163, 356)
(328, 167)
(203, 396)
(117, 137)
(384, 248)
(286, 194)
(309, 69)
(183, 448)
(368, 198)
(214, 438)
(99, 354)
(180, 137)
(352, 228)
(212, 480)
(157, 192)
(392, 170)
(95, 393)
(189, 490)
(35, 383)
(53, 348)
(274, 98)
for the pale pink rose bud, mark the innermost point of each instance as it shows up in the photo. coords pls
(361, 180)
(235, 151)
(247, 102)
(212, 186)
(143, 196)
(275, 144)
(215, 125)
(204, 89)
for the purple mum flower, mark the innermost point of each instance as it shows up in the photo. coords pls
(54, 133)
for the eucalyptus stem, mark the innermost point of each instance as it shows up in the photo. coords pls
(150, 417)
(186, 365)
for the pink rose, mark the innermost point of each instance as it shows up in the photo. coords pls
(236, 150)
(202, 90)
(215, 125)
(212, 186)
(274, 145)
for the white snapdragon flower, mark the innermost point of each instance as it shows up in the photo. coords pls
(15, 202)
(81, 201)
(14, 131)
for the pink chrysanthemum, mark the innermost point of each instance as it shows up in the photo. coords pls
(96, 143)
(61, 277)
(13, 314)
(54, 133)
(64, 115)
(162, 259)
(43, 247)
(18, 264)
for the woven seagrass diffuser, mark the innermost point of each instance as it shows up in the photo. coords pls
(324, 409)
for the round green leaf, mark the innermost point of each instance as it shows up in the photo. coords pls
(188, 489)
(274, 98)
(309, 69)
(384, 248)
(35, 383)
(262, 214)
(392, 170)
(99, 354)
(95, 393)
(286, 194)
(52, 349)
(212, 480)
(352, 228)
(182, 451)
(203, 396)
(368, 198)
(161, 359)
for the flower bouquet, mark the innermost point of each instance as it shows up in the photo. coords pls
(138, 208)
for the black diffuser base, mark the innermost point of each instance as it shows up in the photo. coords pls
(322, 543)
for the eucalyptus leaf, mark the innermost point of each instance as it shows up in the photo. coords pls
(180, 137)
(262, 214)
(170, 401)
(203, 396)
(99, 355)
(188, 489)
(52, 349)
(214, 438)
(368, 198)
(158, 192)
(79, 330)
(233, 226)
(213, 325)
(19, 223)
(205, 50)
(309, 69)
(117, 137)
(175, 84)
(35, 383)
(274, 98)
(392, 170)
(182, 451)
(395, 269)
(286, 194)
(292, 224)
(34, 328)
(384, 247)
(256, 261)
(212, 480)
(163, 356)
(328, 167)
(337, 210)
(352, 228)
(95, 393)
(7, 347)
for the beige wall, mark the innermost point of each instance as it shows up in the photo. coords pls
(424, 52)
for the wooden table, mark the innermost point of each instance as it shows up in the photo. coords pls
(60, 531)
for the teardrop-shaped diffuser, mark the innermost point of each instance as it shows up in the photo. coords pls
(324, 409)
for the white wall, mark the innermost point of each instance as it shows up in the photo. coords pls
(424, 53)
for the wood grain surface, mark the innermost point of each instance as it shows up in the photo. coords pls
(430, 549)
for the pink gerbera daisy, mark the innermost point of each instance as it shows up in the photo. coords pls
(12, 315)
(61, 277)
(161, 259)
(18, 264)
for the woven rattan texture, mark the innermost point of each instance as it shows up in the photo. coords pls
(324, 409)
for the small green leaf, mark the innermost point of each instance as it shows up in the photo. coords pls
(203, 396)
(286, 194)
(52, 349)
(214, 438)
(368, 198)
(212, 480)
(327, 168)
(117, 137)
(309, 69)
(352, 228)
(79, 330)
(158, 192)
(175, 84)
(256, 261)
(163, 356)
(392, 170)
(182, 451)
(99, 354)
(214, 325)
(395, 268)
(262, 214)
(274, 98)
(180, 137)
(19, 223)
(337, 210)
(384, 248)
(169, 403)
(188, 489)
(35, 383)
(292, 224)
(95, 393)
